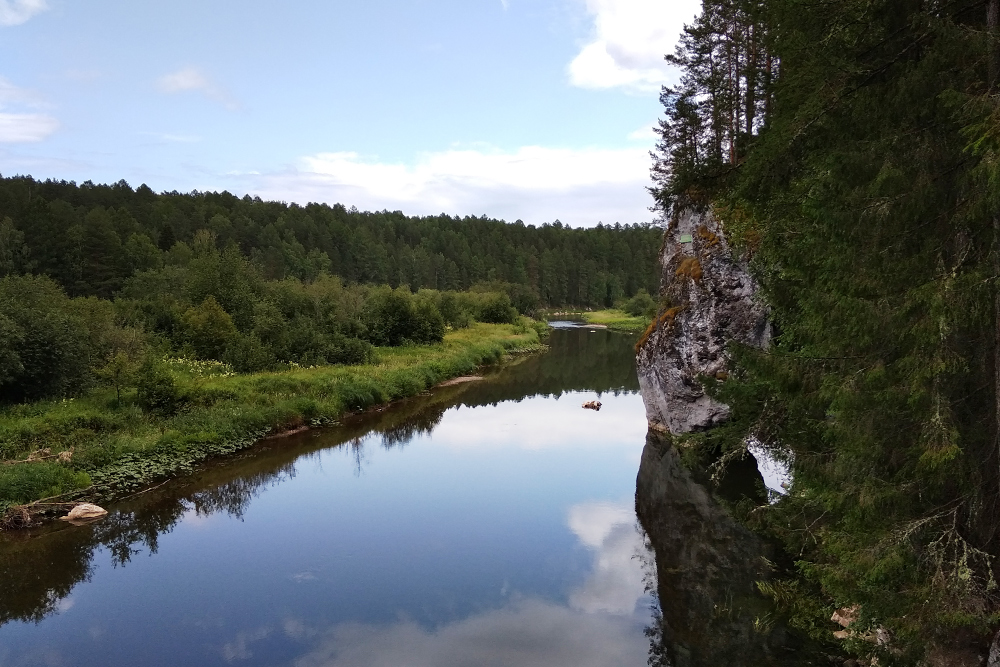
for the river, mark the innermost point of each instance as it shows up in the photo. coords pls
(485, 523)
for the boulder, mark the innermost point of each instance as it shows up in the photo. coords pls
(85, 512)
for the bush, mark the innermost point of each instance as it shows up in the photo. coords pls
(248, 354)
(640, 304)
(344, 350)
(496, 308)
(392, 318)
(429, 324)
(26, 482)
(208, 329)
(47, 341)
(157, 390)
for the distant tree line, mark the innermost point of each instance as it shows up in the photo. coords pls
(92, 238)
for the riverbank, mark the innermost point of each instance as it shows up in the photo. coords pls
(96, 448)
(612, 318)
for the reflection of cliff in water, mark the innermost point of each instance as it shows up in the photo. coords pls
(710, 612)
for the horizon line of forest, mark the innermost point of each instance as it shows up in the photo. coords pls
(92, 238)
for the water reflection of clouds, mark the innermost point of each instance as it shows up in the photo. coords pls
(536, 417)
(239, 648)
(616, 583)
(599, 627)
(527, 633)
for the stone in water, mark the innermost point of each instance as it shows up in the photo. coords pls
(85, 511)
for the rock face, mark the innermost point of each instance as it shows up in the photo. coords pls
(711, 304)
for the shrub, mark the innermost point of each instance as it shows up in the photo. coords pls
(208, 329)
(344, 350)
(640, 304)
(26, 482)
(248, 354)
(429, 324)
(46, 341)
(392, 318)
(496, 308)
(157, 390)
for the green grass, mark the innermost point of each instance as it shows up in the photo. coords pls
(119, 448)
(617, 320)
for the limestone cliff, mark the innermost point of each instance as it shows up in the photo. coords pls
(710, 298)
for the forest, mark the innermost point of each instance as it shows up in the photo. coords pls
(95, 281)
(851, 152)
(92, 238)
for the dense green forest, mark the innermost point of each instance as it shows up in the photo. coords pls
(96, 282)
(852, 152)
(92, 238)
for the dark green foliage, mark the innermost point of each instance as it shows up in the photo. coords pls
(157, 390)
(248, 354)
(342, 349)
(867, 196)
(641, 304)
(392, 318)
(208, 329)
(48, 340)
(25, 482)
(92, 238)
(496, 308)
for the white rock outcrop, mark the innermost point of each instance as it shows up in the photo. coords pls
(711, 299)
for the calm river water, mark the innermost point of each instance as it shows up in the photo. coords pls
(488, 523)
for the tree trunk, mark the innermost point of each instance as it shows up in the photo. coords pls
(992, 17)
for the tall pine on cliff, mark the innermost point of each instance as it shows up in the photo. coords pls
(853, 151)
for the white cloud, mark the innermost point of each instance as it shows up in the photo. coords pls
(644, 133)
(24, 123)
(16, 12)
(239, 648)
(535, 184)
(25, 127)
(629, 41)
(191, 79)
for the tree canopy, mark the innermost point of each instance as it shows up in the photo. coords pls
(92, 238)
(851, 152)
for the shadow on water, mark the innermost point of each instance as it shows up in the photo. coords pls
(42, 565)
(709, 611)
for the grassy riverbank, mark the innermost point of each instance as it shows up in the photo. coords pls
(617, 320)
(96, 447)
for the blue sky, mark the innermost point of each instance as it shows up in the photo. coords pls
(530, 109)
